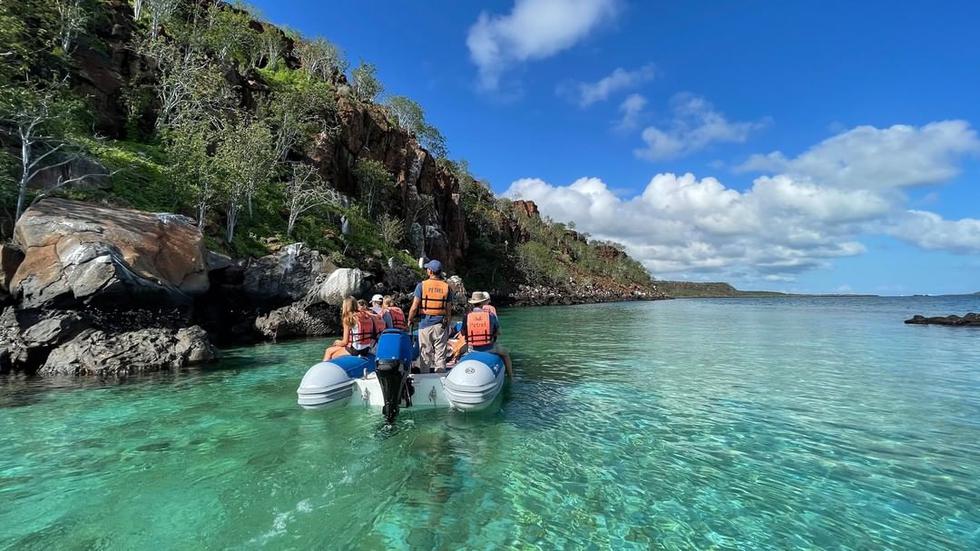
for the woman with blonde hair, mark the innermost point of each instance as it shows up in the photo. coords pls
(348, 321)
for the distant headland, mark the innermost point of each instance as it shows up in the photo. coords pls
(720, 289)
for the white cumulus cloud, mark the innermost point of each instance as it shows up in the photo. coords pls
(694, 125)
(587, 93)
(791, 220)
(534, 29)
(931, 231)
(897, 156)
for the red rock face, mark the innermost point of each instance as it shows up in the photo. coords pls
(528, 208)
(367, 133)
(78, 251)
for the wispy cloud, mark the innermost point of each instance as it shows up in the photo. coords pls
(630, 112)
(588, 93)
(534, 29)
(694, 125)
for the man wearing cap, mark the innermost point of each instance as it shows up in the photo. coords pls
(481, 328)
(433, 301)
(378, 309)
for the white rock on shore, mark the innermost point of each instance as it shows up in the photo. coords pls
(342, 283)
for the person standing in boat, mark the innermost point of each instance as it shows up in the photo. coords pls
(360, 331)
(481, 328)
(433, 302)
(377, 306)
(394, 313)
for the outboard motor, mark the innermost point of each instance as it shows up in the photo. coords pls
(395, 354)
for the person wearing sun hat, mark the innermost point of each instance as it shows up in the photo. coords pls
(481, 328)
(377, 307)
(433, 301)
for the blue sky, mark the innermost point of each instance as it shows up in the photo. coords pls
(832, 145)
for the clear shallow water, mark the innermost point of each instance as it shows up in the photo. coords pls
(739, 423)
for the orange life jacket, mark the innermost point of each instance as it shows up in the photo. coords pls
(479, 329)
(435, 297)
(488, 308)
(397, 318)
(369, 326)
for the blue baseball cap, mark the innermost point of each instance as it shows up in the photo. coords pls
(433, 265)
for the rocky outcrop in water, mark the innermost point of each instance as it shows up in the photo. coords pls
(971, 319)
(299, 320)
(97, 352)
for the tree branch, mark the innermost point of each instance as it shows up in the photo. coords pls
(42, 157)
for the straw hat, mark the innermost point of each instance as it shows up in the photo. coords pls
(479, 297)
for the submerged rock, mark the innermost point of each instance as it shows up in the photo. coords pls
(95, 352)
(971, 319)
(80, 254)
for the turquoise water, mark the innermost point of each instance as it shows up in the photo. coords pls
(688, 424)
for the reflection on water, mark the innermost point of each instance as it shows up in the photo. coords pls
(762, 423)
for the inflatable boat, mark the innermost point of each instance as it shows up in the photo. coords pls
(473, 384)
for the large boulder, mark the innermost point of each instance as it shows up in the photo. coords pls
(299, 320)
(95, 352)
(286, 276)
(78, 252)
(342, 283)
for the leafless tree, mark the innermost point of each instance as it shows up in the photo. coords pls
(187, 81)
(71, 21)
(306, 190)
(28, 114)
(320, 57)
(272, 44)
(160, 12)
(392, 229)
(246, 164)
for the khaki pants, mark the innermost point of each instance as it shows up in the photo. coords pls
(432, 348)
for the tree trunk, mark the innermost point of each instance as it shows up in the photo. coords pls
(232, 220)
(25, 161)
(202, 209)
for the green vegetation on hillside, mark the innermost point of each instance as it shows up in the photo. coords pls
(222, 112)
